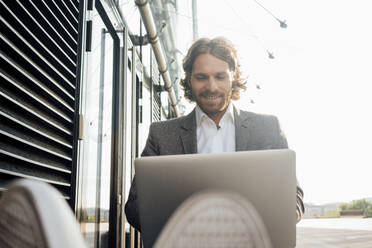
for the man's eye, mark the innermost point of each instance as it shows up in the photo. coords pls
(221, 77)
(201, 77)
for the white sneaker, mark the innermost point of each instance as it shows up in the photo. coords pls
(33, 214)
(215, 219)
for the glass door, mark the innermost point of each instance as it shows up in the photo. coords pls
(98, 142)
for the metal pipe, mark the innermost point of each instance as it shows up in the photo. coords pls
(149, 23)
(194, 20)
(133, 130)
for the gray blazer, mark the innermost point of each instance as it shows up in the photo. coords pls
(178, 136)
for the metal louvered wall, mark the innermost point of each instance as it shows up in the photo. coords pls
(155, 81)
(39, 44)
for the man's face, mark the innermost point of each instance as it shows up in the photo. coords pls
(211, 82)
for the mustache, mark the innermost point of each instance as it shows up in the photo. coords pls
(209, 93)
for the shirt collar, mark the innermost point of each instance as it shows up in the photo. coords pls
(200, 115)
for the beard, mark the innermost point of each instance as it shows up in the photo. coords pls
(213, 103)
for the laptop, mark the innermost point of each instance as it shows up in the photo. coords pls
(266, 178)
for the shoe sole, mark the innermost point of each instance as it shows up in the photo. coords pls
(215, 219)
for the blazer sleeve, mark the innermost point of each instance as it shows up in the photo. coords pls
(131, 206)
(281, 143)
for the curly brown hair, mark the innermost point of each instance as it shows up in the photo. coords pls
(221, 48)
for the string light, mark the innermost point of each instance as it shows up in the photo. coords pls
(270, 54)
(189, 18)
(283, 23)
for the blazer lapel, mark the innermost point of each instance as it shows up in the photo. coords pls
(241, 131)
(188, 133)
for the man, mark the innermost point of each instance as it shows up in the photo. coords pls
(212, 80)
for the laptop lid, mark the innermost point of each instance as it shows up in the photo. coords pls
(266, 178)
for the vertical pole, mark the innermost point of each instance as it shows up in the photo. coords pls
(97, 232)
(194, 19)
(151, 87)
(123, 133)
(141, 39)
(133, 130)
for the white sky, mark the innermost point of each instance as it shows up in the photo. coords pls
(319, 84)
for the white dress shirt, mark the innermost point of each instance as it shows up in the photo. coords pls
(211, 139)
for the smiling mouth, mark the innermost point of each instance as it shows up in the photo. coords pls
(211, 97)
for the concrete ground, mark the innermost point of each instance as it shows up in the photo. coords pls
(308, 237)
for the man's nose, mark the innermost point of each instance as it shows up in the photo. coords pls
(212, 84)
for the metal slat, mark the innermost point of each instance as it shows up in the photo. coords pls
(36, 163)
(19, 166)
(68, 25)
(41, 57)
(35, 114)
(73, 22)
(75, 9)
(38, 131)
(71, 15)
(75, 3)
(17, 174)
(38, 147)
(46, 34)
(38, 69)
(156, 107)
(14, 131)
(37, 83)
(35, 124)
(56, 11)
(156, 114)
(11, 169)
(26, 31)
(56, 33)
(38, 158)
(34, 96)
(65, 25)
(3, 186)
